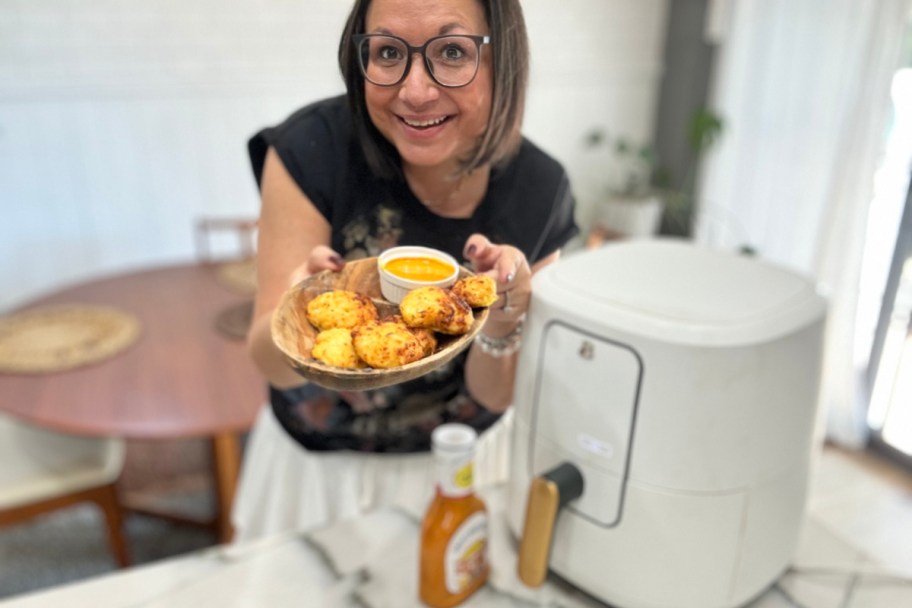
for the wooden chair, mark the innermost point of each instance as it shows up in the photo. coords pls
(42, 471)
(208, 227)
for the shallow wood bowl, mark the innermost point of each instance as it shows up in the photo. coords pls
(294, 335)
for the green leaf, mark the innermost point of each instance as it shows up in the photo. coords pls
(705, 128)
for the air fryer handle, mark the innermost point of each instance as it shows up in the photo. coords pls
(547, 494)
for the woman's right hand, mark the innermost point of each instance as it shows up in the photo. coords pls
(321, 258)
(259, 339)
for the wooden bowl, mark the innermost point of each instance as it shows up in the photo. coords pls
(294, 335)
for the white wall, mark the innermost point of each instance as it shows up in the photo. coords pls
(120, 123)
(595, 64)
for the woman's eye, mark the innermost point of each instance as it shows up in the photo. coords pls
(389, 53)
(453, 52)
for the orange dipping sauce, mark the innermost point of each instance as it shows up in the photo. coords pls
(419, 269)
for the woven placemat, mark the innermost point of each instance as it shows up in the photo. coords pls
(239, 277)
(56, 338)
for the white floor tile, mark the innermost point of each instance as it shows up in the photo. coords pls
(868, 504)
(771, 599)
(882, 595)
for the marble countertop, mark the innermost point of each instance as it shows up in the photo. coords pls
(277, 571)
(296, 569)
(369, 561)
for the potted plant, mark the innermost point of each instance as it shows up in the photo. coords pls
(703, 130)
(641, 197)
(629, 205)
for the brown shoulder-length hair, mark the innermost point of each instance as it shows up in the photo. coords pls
(502, 137)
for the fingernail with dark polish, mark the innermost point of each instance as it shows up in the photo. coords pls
(337, 260)
(470, 251)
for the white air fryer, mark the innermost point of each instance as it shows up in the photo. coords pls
(665, 419)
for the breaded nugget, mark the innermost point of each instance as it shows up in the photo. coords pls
(437, 309)
(334, 347)
(386, 344)
(427, 337)
(340, 308)
(478, 291)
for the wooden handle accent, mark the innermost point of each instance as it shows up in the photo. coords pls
(542, 506)
(548, 493)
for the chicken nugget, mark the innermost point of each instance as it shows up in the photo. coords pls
(340, 308)
(427, 337)
(478, 291)
(386, 344)
(436, 309)
(334, 347)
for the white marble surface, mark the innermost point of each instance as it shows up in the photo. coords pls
(287, 571)
(840, 563)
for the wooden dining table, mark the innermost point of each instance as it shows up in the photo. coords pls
(182, 378)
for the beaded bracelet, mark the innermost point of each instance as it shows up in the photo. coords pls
(503, 346)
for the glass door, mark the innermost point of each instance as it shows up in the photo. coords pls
(890, 370)
(884, 322)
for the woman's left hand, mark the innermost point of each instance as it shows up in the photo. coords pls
(508, 266)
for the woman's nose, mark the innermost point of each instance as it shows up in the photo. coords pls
(418, 88)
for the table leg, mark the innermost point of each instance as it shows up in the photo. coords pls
(226, 465)
(226, 462)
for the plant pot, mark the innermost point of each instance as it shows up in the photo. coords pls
(634, 216)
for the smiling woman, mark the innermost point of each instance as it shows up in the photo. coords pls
(424, 150)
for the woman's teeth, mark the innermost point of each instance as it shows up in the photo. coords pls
(423, 124)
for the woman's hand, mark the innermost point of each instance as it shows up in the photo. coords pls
(490, 376)
(321, 258)
(508, 266)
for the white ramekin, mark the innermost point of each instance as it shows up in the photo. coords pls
(394, 288)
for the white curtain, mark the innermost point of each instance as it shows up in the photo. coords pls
(804, 89)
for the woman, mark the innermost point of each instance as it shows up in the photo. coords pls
(425, 149)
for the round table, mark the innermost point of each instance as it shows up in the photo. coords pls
(182, 378)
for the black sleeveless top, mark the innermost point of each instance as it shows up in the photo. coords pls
(528, 205)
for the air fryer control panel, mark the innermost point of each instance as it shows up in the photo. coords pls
(584, 411)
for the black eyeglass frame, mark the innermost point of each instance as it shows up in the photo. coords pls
(479, 41)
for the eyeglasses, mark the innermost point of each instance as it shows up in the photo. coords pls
(452, 61)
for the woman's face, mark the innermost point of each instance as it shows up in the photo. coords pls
(430, 125)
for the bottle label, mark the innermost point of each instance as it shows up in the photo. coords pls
(455, 475)
(466, 554)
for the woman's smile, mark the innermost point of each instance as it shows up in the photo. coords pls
(424, 123)
(422, 127)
